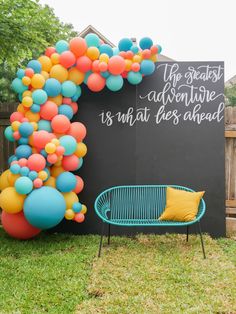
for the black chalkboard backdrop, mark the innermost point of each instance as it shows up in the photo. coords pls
(167, 130)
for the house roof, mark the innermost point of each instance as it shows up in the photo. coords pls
(92, 29)
(231, 81)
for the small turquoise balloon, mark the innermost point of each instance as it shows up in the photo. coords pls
(20, 73)
(20, 97)
(18, 86)
(52, 87)
(23, 185)
(61, 46)
(81, 161)
(44, 125)
(134, 49)
(39, 96)
(35, 108)
(66, 110)
(24, 171)
(87, 76)
(105, 48)
(66, 182)
(147, 67)
(35, 65)
(68, 89)
(125, 44)
(114, 82)
(23, 151)
(105, 74)
(11, 159)
(69, 143)
(9, 134)
(77, 207)
(145, 43)
(44, 153)
(48, 173)
(26, 129)
(116, 51)
(159, 48)
(33, 175)
(134, 78)
(23, 140)
(77, 94)
(15, 169)
(92, 40)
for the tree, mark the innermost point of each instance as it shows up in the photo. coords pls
(230, 96)
(26, 29)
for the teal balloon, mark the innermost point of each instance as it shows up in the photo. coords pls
(69, 143)
(147, 67)
(134, 78)
(23, 151)
(52, 87)
(114, 82)
(116, 51)
(39, 96)
(11, 159)
(35, 108)
(92, 40)
(105, 48)
(23, 185)
(15, 169)
(159, 48)
(87, 76)
(9, 134)
(44, 153)
(33, 175)
(24, 171)
(105, 74)
(20, 73)
(61, 46)
(77, 207)
(44, 125)
(77, 94)
(18, 86)
(45, 207)
(81, 161)
(145, 43)
(125, 44)
(35, 65)
(26, 129)
(66, 110)
(23, 140)
(66, 182)
(134, 49)
(68, 89)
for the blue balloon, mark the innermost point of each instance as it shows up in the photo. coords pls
(87, 76)
(23, 151)
(35, 65)
(134, 78)
(20, 97)
(44, 153)
(26, 129)
(147, 67)
(69, 143)
(12, 158)
(92, 40)
(114, 82)
(33, 175)
(39, 96)
(35, 108)
(20, 73)
(116, 51)
(48, 173)
(159, 48)
(44, 208)
(9, 134)
(23, 141)
(81, 161)
(77, 94)
(105, 74)
(134, 49)
(62, 46)
(105, 48)
(125, 44)
(77, 207)
(52, 87)
(66, 182)
(44, 125)
(66, 110)
(15, 169)
(68, 89)
(18, 86)
(145, 43)
(23, 185)
(24, 171)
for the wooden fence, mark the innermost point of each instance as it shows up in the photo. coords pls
(7, 149)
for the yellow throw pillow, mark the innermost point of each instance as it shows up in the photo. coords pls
(181, 205)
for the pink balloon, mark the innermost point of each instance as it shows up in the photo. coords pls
(41, 138)
(36, 162)
(22, 162)
(70, 163)
(16, 135)
(48, 110)
(95, 66)
(60, 150)
(52, 158)
(16, 116)
(67, 59)
(79, 185)
(135, 67)
(66, 100)
(38, 183)
(60, 123)
(84, 64)
(96, 82)
(77, 130)
(79, 217)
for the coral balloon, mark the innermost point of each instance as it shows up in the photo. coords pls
(60, 124)
(11, 201)
(96, 82)
(36, 162)
(79, 185)
(78, 46)
(49, 110)
(84, 64)
(116, 65)
(41, 138)
(67, 59)
(70, 163)
(77, 130)
(79, 217)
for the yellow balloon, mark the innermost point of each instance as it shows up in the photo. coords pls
(42, 175)
(4, 183)
(153, 58)
(55, 58)
(26, 80)
(84, 209)
(137, 58)
(55, 171)
(12, 178)
(58, 162)
(33, 117)
(55, 141)
(50, 182)
(70, 199)
(50, 148)
(37, 81)
(81, 150)
(93, 53)
(69, 215)
(76, 76)
(21, 108)
(57, 99)
(59, 72)
(27, 93)
(104, 57)
(45, 74)
(128, 64)
(35, 125)
(46, 63)
(15, 125)
(27, 101)
(11, 201)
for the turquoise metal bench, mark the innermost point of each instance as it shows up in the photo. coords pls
(139, 206)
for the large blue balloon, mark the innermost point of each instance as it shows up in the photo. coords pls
(66, 110)
(69, 143)
(92, 40)
(125, 44)
(68, 89)
(114, 82)
(35, 65)
(44, 208)
(18, 86)
(105, 48)
(52, 87)
(145, 43)
(66, 182)
(23, 151)
(147, 67)
(9, 134)
(26, 129)
(39, 96)
(44, 125)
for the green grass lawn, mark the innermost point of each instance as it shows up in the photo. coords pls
(147, 274)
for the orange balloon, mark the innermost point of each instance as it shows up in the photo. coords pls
(37, 81)
(57, 99)
(55, 171)
(55, 58)
(59, 72)
(78, 46)
(12, 178)
(96, 82)
(76, 76)
(33, 117)
(46, 63)
(93, 53)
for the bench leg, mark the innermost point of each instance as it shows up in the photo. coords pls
(100, 245)
(109, 234)
(187, 234)
(200, 232)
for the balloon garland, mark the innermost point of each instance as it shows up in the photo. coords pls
(39, 190)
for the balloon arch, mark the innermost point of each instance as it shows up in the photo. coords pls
(39, 189)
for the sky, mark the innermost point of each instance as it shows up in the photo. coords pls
(187, 30)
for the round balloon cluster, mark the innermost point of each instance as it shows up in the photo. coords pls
(39, 190)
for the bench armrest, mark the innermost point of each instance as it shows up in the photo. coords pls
(103, 205)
